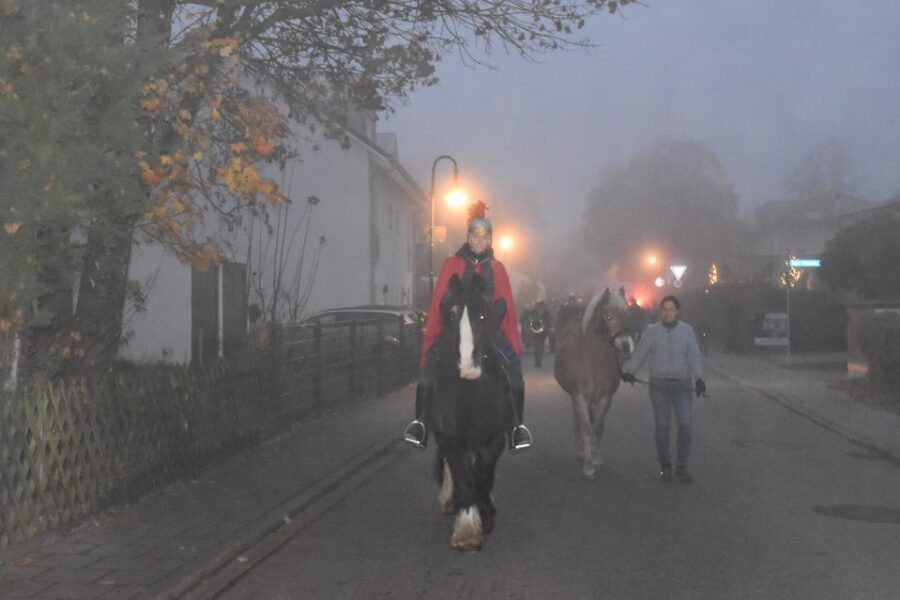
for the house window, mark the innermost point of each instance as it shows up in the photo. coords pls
(206, 336)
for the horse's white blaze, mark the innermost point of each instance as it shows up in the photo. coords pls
(467, 367)
(445, 497)
(467, 532)
(625, 344)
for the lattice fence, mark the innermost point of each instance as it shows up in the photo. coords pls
(68, 449)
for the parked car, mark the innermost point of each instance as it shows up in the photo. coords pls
(372, 312)
(367, 316)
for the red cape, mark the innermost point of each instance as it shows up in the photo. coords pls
(455, 265)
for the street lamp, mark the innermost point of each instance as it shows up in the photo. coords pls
(456, 199)
(506, 242)
(431, 229)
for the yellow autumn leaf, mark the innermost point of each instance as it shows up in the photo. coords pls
(150, 104)
(12, 228)
(198, 156)
(216, 115)
(5, 325)
(238, 147)
(166, 160)
(162, 86)
(184, 114)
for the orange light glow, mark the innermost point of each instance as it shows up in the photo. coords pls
(506, 243)
(651, 260)
(456, 199)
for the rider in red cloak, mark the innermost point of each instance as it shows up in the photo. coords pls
(475, 257)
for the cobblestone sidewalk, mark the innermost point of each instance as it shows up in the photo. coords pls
(178, 534)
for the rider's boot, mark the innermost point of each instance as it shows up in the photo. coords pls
(520, 436)
(416, 433)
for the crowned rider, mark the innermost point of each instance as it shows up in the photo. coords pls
(475, 257)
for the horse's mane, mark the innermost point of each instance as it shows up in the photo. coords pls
(614, 298)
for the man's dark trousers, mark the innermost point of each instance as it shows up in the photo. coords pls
(668, 396)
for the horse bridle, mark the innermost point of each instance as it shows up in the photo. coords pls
(611, 338)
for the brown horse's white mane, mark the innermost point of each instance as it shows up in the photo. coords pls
(614, 298)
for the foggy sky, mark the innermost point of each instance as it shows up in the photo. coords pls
(762, 82)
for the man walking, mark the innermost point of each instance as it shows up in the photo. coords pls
(676, 373)
(539, 323)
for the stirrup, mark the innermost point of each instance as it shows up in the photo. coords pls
(520, 438)
(416, 434)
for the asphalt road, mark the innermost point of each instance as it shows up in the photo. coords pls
(781, 508)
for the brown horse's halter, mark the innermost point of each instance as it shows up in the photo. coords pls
(612, 343)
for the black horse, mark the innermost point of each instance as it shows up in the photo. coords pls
(471, 410)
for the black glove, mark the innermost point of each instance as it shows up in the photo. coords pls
(628, 378)
(700, 387)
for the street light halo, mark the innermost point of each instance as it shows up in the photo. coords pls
(456, 198)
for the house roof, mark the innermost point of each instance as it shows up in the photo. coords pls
(392, 167)
(892, 205)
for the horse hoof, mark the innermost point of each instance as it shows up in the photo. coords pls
(468, 545)
(589, 472)
(468, 535)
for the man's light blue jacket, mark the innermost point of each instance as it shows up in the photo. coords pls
(673, 353)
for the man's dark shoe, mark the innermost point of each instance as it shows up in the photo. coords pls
(520, 438)
(416, 434)
(683, 475)
(665, 472)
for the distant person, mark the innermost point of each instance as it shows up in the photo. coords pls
(259, 331)
(638, 319)
(676, 374)
(703, 337)
(475, 257)
(539, 324)
(569, 312)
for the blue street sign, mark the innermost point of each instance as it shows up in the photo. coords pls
(806, 263)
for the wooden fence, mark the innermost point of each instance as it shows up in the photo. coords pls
(70, 448)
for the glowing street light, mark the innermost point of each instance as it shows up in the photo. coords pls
(659, 282)
(651, 260)
(506, 243)
(431, 229)
(456, 199)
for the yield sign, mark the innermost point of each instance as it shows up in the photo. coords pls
(678, 271)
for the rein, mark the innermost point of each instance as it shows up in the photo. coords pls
(612, 342)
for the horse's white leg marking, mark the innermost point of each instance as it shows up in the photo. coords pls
(467, 533)
(599, 416)
(587, 435)
(467, 368)
(577, 428)
(445, 496)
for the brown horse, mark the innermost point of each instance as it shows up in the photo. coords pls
(587, 368)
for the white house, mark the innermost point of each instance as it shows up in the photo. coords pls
(348, 237)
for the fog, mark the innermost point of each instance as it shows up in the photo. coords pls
(763, 84)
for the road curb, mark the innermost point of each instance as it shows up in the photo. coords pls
(887, 453)
(192, 575)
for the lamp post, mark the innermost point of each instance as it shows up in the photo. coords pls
(431, 229)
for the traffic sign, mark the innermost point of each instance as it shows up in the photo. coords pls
(805, 263)
(678, 271)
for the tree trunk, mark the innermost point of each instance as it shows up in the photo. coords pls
(102, 292)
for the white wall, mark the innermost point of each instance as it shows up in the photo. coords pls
(356, 195)
(161, 333)
(394, 222)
